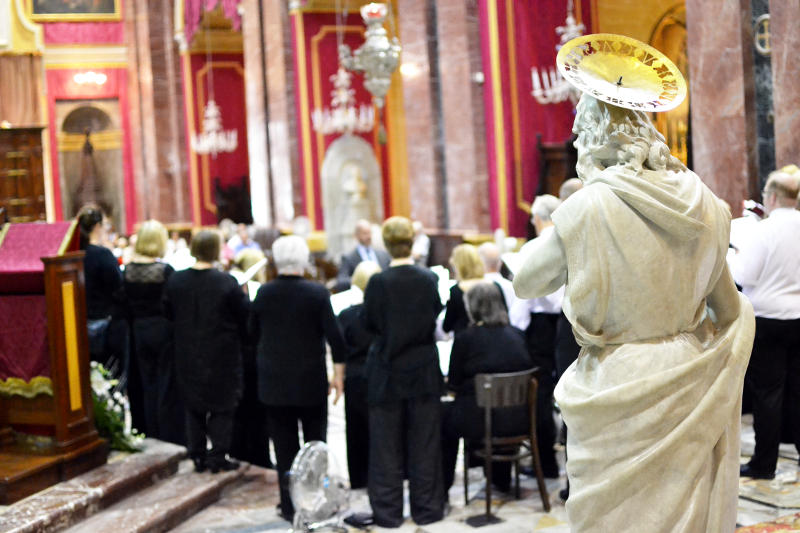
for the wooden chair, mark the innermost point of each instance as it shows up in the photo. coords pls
(505, 390)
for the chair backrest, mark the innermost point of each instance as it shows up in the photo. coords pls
(503, 390)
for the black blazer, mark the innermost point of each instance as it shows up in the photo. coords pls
(208, 310)
(356, 337)
(292, 318)
(485, 350)
(349, 263)
(400, 307)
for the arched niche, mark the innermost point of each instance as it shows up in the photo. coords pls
(669, 36)
(97, 177)
(351, 189)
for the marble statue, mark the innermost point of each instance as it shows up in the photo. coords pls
(653, 402)
(351, 191)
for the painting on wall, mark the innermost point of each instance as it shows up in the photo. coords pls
(74, 10)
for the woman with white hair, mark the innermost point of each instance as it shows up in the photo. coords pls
(292, 318)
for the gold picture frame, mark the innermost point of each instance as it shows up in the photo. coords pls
(74, 10)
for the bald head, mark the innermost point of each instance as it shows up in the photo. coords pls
(569, 187)
(490, 255)
(363, 232)
(780, 190)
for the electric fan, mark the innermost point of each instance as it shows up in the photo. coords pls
(319, 490)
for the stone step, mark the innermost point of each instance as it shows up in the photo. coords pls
(164, 505)
(248, 505)
(68, 502)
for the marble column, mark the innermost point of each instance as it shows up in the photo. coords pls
(171, 178)
(724, 149)
(156, 113)
(423, 145)
(280, 114)
(785, 41)
(462, 115)
(255, 103)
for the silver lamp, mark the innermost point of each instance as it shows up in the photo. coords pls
(378, 57)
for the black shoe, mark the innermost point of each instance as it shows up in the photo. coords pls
(564, 494)
(223, 464)
(359, 520)
(746, 470)
(199, 464)
(550, 472)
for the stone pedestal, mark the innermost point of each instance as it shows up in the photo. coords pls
(722, 98)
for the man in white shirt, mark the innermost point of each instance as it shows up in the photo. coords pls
(768, 269)
(538, 317)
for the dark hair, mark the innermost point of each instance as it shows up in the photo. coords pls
(398, 236)
(88, 217)
(205, 246)
(486, 304)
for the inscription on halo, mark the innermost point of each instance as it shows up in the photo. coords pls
(622, 71)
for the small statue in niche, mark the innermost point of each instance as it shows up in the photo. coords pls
(90, 189)
(356, 202)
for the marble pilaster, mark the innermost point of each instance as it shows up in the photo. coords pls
(171, 178)
(257, 148)
(724, 149)
(462, 114)
(147, 184)
(281, 129)
(156, 112)
(785, 40)
(423, 143)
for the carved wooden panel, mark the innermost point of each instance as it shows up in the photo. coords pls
(22, 175)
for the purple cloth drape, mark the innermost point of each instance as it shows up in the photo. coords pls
(194, 9)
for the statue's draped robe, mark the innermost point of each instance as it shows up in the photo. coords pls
(653, 402)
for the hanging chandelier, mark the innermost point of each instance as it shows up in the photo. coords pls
(550, 87)
(378, 57)
(343, 116)
(213, 139)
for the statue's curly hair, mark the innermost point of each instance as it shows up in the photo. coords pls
(613, 136)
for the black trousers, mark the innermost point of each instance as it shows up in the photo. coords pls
(356, 415)
(567, 349)
(215, 425)
(774, 378)
(405, 429)
(282, 421)
(150, 337)
(541, 338)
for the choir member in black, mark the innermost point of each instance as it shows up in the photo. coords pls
(468, 267)
(108, 329)
(404, 384)
(292, 318)
(356, 415)
(208, 311)
(153, 355)
(488, 346)
(250, 440)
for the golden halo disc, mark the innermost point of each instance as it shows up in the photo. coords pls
(622, 71)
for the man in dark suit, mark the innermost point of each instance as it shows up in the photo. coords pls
(362, 252)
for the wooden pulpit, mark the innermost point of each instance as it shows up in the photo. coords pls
(47, 431)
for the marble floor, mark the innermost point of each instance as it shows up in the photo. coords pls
(251, 507)
(249, 504)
